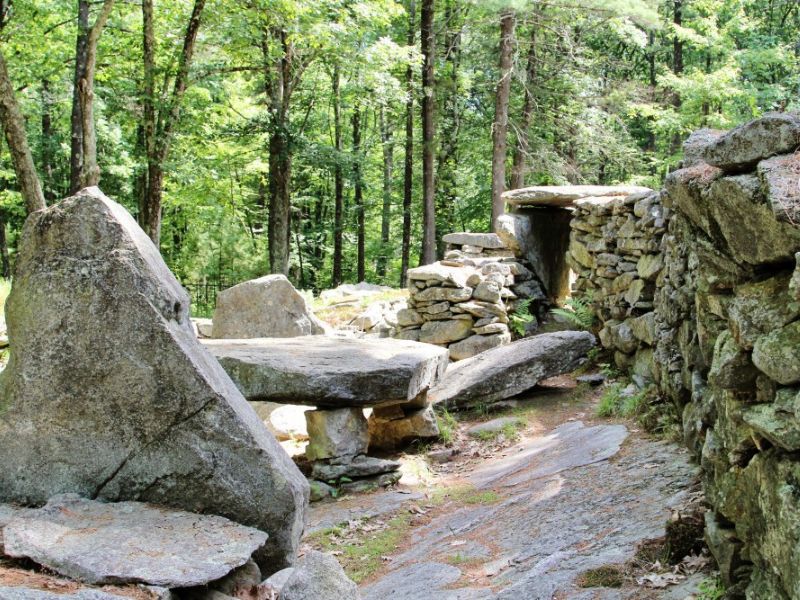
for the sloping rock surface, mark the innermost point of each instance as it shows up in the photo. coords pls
(108, 394)
(264, 307)
(22, 593)
(510, 370)
(130, 542)
(565, 195)
(331, 372)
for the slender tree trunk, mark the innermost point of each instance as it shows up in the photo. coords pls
(158, 132)
(47, 142)
(90, 170)
(5, 263)
(387, 144)
(428, 135)
(338, 183)
(677, 66)
(522, 148)
(408, 170)
(279, 200)
(500, 125)
(358, 196)
(14, 127)
(76, 125)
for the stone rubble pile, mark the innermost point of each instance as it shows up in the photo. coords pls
(463, 302)
(615, 254)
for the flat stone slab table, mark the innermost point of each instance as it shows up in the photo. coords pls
(331, 373)
(564, 196)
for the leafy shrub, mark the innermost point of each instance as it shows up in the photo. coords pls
(519, 319)
(447, 426)
(578, 311)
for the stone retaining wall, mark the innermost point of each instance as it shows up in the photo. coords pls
(724, 332)
(615, 254)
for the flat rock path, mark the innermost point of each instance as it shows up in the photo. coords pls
(573, 494)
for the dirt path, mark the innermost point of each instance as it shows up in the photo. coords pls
(522, 521)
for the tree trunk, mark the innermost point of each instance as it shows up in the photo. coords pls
(387, 145)
(48, 185)
(677, 67)
(90, 170)
(522, 148)
(279, 200)
(428, 135)
(358, 196)
(338, 183)
(408, 171)
(76, 123)
(5, 263)
(14, 127)
(158, 125)
(500, 125)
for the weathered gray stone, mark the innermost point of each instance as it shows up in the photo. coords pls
(336, 433)
(778, 354)
(725, 547)
(779, 178)
(109, 394)
(779, 421)
(566, 195)
(130, 542)
(390, 433)
(320, 490)
(741, 148)
(731, 367)
(437, 294)
(759, 308)
(437, 272)
(487, 291)
(23, 593)
(512, 369)
(370, 484)
(695, 145)
(513, 231)
(475, 344)
(245, 577)
(407, 317)
(483, 310)
(318, 576)
(649, 266)
(482, 240)
(264, 307)
(644, 328)
(494, 427)
(360, 466)
(331, 372)
(445, 332)
(204, 327)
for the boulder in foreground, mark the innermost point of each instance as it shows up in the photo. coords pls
(510, 370)
(130, 542)
(109, 395)
(264, 307)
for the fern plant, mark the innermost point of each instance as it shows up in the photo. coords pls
(578, 311)
(521, 317)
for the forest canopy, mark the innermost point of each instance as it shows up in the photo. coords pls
(338, 140)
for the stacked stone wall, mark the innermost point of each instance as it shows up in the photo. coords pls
(721, 305)
(463, 302)
(615, 254)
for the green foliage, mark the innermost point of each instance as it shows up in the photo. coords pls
(711, 589)
(578, 311)
(519, 319)
(448, 426)
(615, 403)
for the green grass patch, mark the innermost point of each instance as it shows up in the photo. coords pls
(509, 431)
(461, 559)
(448, 426)
(466, 494)
(361, 555)
(711, 589)
(613, 403)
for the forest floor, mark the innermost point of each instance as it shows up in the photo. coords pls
(556, 504)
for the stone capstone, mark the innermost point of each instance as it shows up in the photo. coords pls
(130, 542)
(566, 195)
(482, 240)
(512, 369)
(109, 394)
(330, 372)
(264, 307)
(741, 148)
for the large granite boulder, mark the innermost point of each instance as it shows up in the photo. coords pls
(264, 307)
(317, 576)
(512, 369)
(330, 372)
(130, 542)
(741, 148)
(108, 393)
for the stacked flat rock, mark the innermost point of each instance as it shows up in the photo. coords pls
(615, 252)
(463, 302)
(341, 377)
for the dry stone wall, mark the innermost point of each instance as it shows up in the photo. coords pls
(463, 302)
(615, 254)
(705, 276)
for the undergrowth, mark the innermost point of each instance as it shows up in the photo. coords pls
(579, 311)
(615, 403)
(447, 426)
(519, 319)
(711, 589)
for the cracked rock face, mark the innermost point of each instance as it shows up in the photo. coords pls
(130, 542)
(109, 395)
